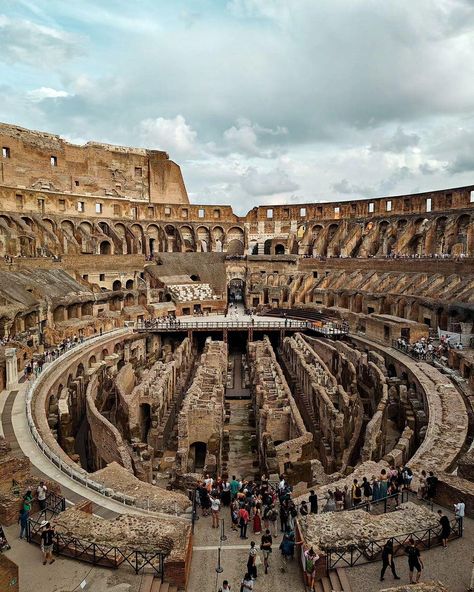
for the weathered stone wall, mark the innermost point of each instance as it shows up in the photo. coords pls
(46, 163)
(201, 417)
(281, 432)
(9, 577)
(333, 416)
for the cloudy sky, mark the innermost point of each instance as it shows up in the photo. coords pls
(259, 101)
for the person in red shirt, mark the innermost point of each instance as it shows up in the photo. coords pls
(244, 518)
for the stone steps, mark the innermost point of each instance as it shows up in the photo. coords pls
(151, 584)
(336, 581)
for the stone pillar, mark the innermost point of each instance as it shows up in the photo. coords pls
(126, 352)
(12, 367)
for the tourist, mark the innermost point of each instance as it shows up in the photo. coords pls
(23, 522)
(208, 482)
(421, 491)
(431, 485)
(375, 488)
(266, 547)
(347, 498)
(330, 503)
(304, 509)
(383, 484)
(247, 583)
(225, 493)
(234, 515)
(234, 487)
(366, 490)
(414, 561)
(287, 548)
(387, 560)
(313, 502)
(244, 518)
(459, 512)
(257, 519)
(27, 501)
(273, 517)
(215, 507)
(47, 537)
(252, 561)
(204, 499)
(356, 493)
(445, 528)
(310, 559)
(41, 495)
(284, 513)
(225, 587)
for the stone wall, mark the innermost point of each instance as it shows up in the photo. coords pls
(201, 417)
(281, 432)
(333, 416)
(47, 163)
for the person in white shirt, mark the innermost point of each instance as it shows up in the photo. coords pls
(459, 512)
(215, 507)
(41, 495)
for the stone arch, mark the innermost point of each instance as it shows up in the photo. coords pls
(153, 236)
(129, 300)
(203, 238)
(129, 284)
(117, 285)
(279, 249)
(218, 238)
(187, 237)
(105, 247)
(235, 247)
(92, 360)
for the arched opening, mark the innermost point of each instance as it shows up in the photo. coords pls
(236, 290)
(235, 247)
(129, 284)
(105, 248)
(267, 246)
(92, 361)
(197, 455)
(167, 297)
(279, 249)
(117, 285)
(144, 419)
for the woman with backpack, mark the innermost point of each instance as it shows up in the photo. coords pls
(310, 559)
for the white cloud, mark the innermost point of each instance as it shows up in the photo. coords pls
(44, 92)
(255, 182)
(173, 135)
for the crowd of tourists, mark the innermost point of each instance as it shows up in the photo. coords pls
(266, 512)
(425, 349)
(34, 367)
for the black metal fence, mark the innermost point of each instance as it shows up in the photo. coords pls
(88, 551)
(365, 552)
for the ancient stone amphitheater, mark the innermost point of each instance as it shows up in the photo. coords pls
(147, 341)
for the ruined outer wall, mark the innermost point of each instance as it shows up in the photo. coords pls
(42, 161)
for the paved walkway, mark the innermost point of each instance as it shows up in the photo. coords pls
(452, 567)
(234, 554)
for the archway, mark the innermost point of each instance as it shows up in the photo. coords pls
(279, 249)
(197, 455)
(236, 290)
(105, 248)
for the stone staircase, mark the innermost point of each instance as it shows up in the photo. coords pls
(151, 584)
(336, 581)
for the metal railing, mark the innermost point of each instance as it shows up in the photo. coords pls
(179, 325)
(365, 552)
(77, 475)
(384, 504)
(96, 553)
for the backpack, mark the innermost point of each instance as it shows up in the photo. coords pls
(309, 564)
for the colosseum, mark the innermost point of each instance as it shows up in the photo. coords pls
(170, 371)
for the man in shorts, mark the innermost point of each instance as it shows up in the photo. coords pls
(266, 547)
(414, 561)
(47, 538)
